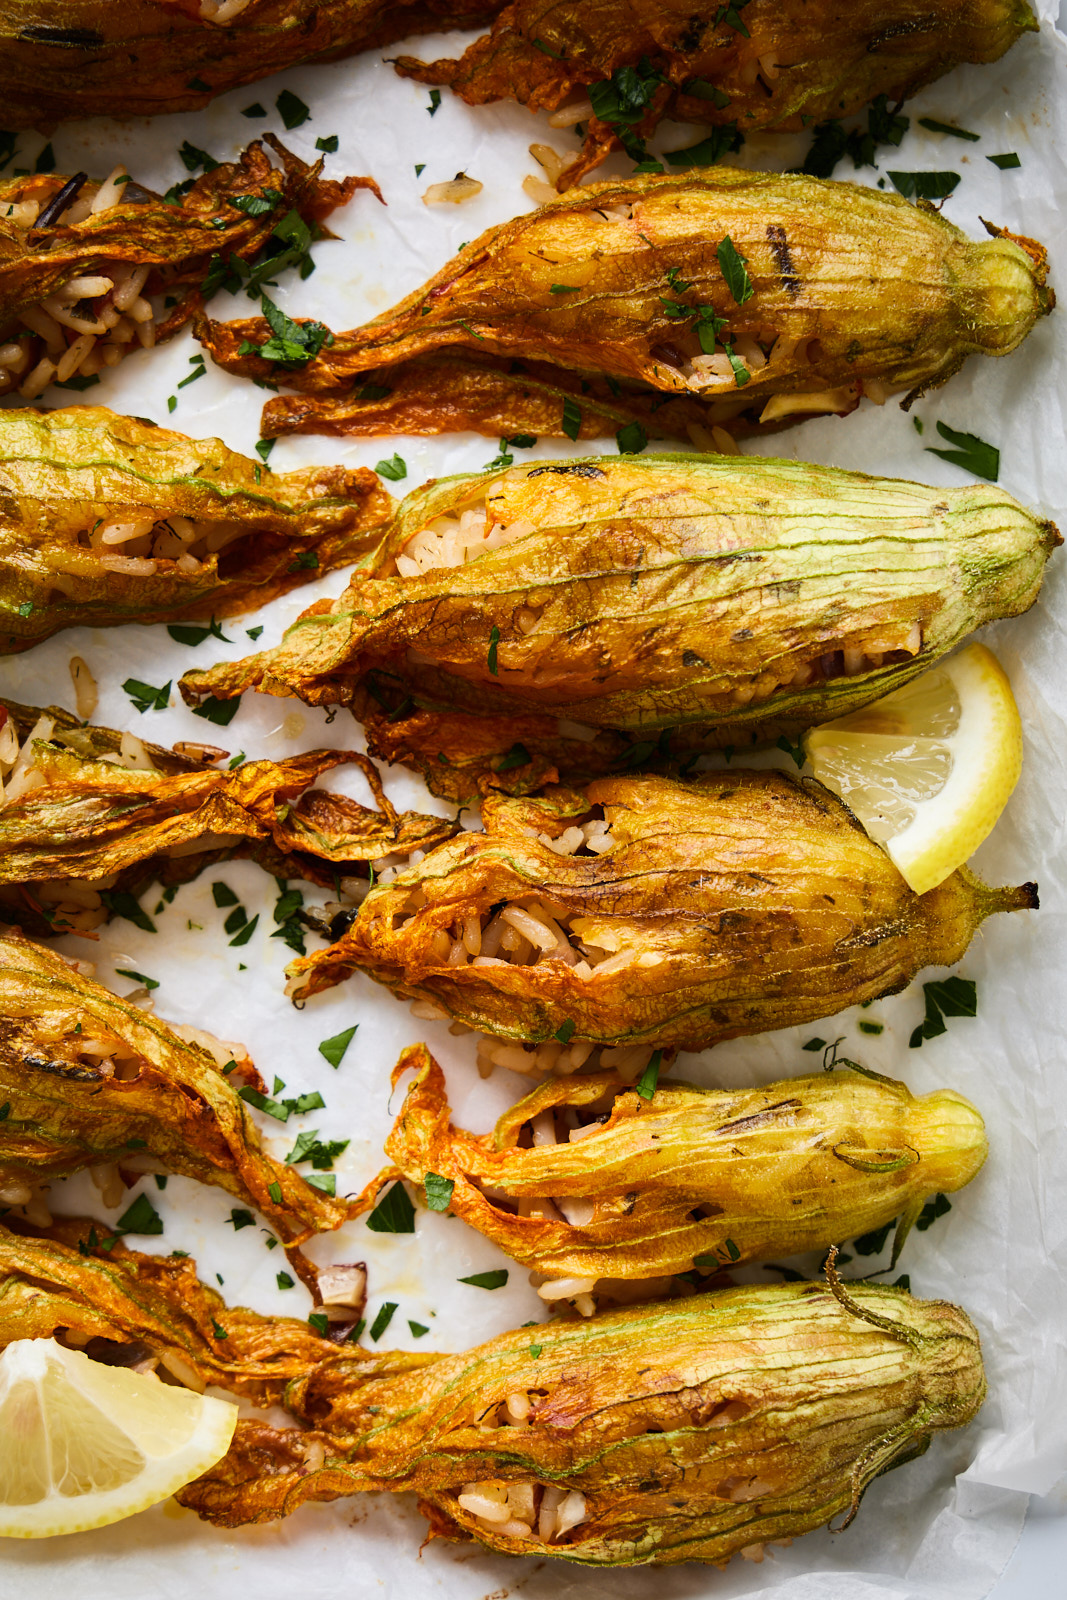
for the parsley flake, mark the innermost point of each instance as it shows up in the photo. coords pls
(394, 1212)
(924, 185)
(572, 418)
(146, 697)
(487, 1280)
(333, 1050)
(971, 453)
(1006, 163)
(220, 712)
(394, 469)
(734, 269)
(292, 110)
(494, 641)
(138, 977)
(141, 1217)
(933, 126)
(438, 1191)
(631, 439)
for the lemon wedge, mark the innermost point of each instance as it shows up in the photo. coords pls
(929, 768)
(85, 1444)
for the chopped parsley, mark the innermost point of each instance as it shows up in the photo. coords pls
(146, 697)
(924, 185)
(622, 101)
(947, 997)
(394, 469)
(309, 1147)
(287, 910)
(646, 1083)
(256, 205)
(193, 159)
(241, 1218)
(254, 633)
(435, 102)
(438, 1191)
(264, 447)
(937, 1207)
(320, 1322)
(565, 1032)
(284, 1281)
(487, 1280)
(565, 288)
(631, 439)
(333, 1050)
(328, 144)
(246, 932)
(933, 126)
(223, 895)
(293, 343)
(292, 110)
(281, 1110)
(275, 1191)
(572, 418)
(254, 110)
(140, 1217)
(382, 1320)
(394, 1212)
(1006, 163)
(138, 977)
(734, 268)
(192, 634)
(872, 1027)
(494, 641)
(122, 904)
(220, 712)
(304, 560)
(373, 391)
(708, 152)
(517, 756)
(971, 453)
(796, 750)
(418, 1329)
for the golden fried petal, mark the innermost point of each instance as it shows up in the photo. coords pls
(685, 1174)
(88, 818)
(78, 1281)
(724, 905)
(790, 64)
(87, 1079)
(66, 474)
(177, 240)
(145, 58)
(686, 602)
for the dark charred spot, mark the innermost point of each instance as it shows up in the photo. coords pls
(341, 923)
(63, 1069)
(691, 659)
(779, 243)
(581, 469)
(66, 38)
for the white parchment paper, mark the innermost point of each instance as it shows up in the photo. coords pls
(939, 1529)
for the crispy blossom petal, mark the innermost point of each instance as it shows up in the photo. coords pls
(704, 602)
(789, 64)
(92, 1079)
(67, 473)
(92, 58)
(89, 818)
(731, 904)
(78, 1281)
(851, 288)
(688, 1430)
(748, 1174)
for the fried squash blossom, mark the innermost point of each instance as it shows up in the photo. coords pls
(89, 1080)
(690, 1430)
(107, 519)
(84, 263)
(767, 296)
(87, 813)
(775, 64)
(655, 912)
(147, 58)
(672, 603)
(588, 1180)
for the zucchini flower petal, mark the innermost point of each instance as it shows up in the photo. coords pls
(846, 291)
(651, 911)
(79, 1282)
(688, 603)
(148, 58)
(88, 809)
(648, 1184)
(88, 1079)
(710, 65)
(106, 519)
(81, 261)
